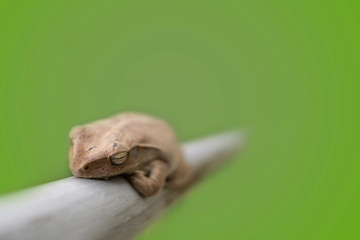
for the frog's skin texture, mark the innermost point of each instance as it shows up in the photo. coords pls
(141, 147)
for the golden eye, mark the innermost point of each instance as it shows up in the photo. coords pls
(119, 158)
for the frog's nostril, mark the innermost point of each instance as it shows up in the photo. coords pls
(86, 167)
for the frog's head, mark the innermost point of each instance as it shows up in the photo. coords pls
(96, 153)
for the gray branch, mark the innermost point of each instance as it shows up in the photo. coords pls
(75, 208)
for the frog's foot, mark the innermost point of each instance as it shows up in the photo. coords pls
(151, 181)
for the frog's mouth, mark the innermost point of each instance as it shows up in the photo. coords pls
(95, 169)
(100, 169)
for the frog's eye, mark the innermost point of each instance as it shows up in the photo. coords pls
(119, 158)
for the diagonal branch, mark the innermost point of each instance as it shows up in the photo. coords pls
(75, 208)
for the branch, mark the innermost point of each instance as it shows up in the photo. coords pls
(74, 208)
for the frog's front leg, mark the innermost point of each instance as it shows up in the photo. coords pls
(151, 179)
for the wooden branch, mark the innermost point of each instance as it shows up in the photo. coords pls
(75, 208)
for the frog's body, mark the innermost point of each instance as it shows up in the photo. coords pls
(143, 148)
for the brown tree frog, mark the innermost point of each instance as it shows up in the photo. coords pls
(142, 148)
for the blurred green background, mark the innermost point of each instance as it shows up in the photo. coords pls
(286, 71)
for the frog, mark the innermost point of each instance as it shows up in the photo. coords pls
(142, 148)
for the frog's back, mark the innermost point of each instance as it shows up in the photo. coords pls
(139, 127)
(145, 129)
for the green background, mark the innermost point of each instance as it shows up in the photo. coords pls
(286, 71)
